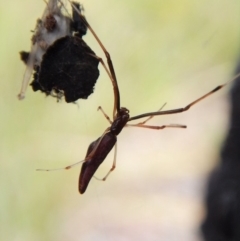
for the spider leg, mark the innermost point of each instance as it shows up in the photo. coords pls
(109, 61)
(104, 113)
(89, 156)
(61, 168)
(113, 166)
(109, 74)
(157, 127)
(150, 117)
(180, 110)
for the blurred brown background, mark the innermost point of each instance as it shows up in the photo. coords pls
(163, 51)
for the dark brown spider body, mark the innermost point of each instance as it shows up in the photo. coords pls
(99, 149)
(92, 163)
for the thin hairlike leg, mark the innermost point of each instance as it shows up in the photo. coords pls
(110, 76)
(158, 127)
(61, 168)
(113, 166)
(77, 163)
(104, 66)
(106, 116)
(109, 61)
(180, 110)
(150, 117)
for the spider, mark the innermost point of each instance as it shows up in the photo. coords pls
(64, 64)
(100, 148)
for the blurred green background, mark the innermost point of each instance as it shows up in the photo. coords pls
(163, 51)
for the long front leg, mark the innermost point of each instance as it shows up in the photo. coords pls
(109, 61)
(180, 110)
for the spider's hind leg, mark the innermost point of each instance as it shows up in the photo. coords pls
(113, 166)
